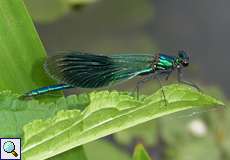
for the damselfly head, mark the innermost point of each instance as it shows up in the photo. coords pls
(183, 58)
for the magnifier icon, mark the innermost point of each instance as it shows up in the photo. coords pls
(9, 147)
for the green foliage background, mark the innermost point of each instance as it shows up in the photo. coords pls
(22, 55)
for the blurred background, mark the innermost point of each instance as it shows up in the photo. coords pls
(150, 26)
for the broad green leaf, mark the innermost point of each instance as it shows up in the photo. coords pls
(16, 113)
(22, 53)
(140, 153)
(104, 150)
(21, 59)
(108, 112)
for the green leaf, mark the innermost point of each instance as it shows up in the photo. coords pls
(104, 150)
(21, 53)
(21, 60)
(140, 153)
(16, 113)
(108, 112)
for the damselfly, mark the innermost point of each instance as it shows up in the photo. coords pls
(85, 70)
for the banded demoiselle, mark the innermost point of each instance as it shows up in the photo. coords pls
(85, 70)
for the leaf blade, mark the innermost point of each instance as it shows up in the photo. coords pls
(140, 153)
(102, 119)
(21, 49)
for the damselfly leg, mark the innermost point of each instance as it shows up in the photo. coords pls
(162, 89)
(151, 77)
